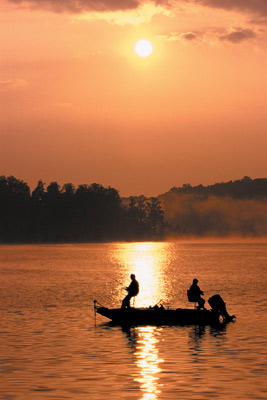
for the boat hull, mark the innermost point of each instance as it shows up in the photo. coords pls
(160, 316)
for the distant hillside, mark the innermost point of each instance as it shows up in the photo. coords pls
(245, 188)
(232, 208)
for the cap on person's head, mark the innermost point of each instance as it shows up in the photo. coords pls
(195, 280)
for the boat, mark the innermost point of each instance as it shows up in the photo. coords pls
(159, 315)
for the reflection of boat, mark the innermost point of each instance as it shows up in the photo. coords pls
(158, 315)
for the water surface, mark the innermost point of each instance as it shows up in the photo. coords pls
(51, 347)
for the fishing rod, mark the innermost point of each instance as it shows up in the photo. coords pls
(158, 302)
(115, 280)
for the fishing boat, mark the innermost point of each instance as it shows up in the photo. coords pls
(159, 315)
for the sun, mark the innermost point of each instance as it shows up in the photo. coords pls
(143, 48)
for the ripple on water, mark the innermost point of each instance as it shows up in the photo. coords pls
(50, 347)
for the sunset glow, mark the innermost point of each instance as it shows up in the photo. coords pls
(79, 105)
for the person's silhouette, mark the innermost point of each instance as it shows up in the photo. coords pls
(194, 294)
(133, 290)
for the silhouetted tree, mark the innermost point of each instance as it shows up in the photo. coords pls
(136, 219)
(38, 212)
(67, 201)
(155, 217)
(54, 213)
(14, 209)
(38, 193)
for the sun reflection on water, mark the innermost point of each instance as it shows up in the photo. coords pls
(148, 362)
(148, 261)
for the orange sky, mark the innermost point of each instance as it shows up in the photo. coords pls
(78, 105)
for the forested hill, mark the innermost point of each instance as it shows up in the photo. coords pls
(231, 208)
(245, 188)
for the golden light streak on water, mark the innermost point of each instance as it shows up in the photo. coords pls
(148, 262)
(148, 362)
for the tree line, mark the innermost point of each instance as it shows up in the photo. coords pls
(88, 213)
(245, 188)
(93, 213)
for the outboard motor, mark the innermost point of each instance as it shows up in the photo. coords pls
(217, 304)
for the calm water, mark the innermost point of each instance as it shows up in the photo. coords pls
(51, 348)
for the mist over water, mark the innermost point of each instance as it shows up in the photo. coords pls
(215, 216)
(51, 348)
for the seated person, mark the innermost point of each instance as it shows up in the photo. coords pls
(194, 294)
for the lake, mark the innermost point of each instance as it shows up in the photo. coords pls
(51, 346)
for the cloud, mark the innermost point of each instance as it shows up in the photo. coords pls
(189, 36)
(109, 9)
(239, 35)
(235, 36)
(136, 16)
(175, 36)
(78, 6)
(13, 84)
(122, 11)
(258, 21)
(258, 7)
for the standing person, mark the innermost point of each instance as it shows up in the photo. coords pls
(194, 294)
(133, 290)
